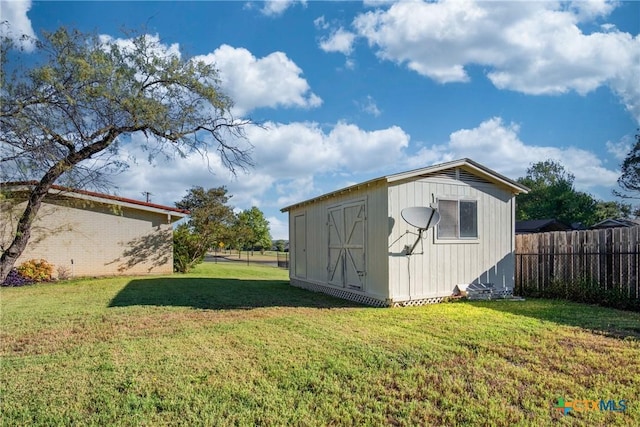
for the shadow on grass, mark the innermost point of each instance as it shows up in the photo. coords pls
(217, 294)
(601, 320)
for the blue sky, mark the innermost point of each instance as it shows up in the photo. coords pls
(349, 91)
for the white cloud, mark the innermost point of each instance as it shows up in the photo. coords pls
(349, 64)
(271, 81)
(587, 10)
(279, 229)
(156, 47)
(15, 24)
(377, 3)
(340, 40)
(278, 7)
(370, 107)
(295, 190)
(296, 161)
(302, 149)
(498, 146)
(620, 149)
(321, 23)
(530, 47)
(289, 159)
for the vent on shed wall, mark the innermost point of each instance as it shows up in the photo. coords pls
(446, 174)
(469, 177)
(458, 174)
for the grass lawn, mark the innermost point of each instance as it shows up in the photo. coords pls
(235, 345)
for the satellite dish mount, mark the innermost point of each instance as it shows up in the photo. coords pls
(421, 217)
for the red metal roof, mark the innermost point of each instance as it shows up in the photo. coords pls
(99, 195)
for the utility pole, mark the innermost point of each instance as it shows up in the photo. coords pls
(147, 194)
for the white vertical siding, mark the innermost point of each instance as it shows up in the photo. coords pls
(436, 268)
(377, 231)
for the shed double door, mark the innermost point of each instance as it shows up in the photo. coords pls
(346, 261)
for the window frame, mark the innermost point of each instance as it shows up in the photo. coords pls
(458, 239)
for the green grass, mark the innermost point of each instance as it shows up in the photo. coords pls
(236, 345)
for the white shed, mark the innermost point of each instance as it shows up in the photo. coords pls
(353, 243)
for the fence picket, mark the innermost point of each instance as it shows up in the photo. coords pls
(609, 257)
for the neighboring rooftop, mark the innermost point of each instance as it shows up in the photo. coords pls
(541, 226)
(615, 223)
(97, 197)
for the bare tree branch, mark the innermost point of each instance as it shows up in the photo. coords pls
(88, 93)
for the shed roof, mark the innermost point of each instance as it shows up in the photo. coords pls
(99, 198)
(466, 164)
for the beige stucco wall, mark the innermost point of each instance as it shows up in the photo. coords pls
(94, 239)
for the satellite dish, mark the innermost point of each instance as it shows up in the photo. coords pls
(421, 217)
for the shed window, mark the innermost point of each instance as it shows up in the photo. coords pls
(458, 219)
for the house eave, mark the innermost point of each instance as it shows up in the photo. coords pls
(174, 214)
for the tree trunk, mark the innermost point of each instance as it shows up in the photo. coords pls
(23, 231)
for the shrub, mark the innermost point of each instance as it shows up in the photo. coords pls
(36, 270)
(188, 250)
(64, 272)
(14, 278)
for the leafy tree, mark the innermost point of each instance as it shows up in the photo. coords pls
(612, 209)
(241, 235)
(253, 229)
(209, 224)
(65, 117)
(629, 180)
(188, 249)
(552, 196)
(280, 244)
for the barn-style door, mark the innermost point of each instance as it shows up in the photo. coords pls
(346, 266)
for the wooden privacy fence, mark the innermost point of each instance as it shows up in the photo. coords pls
(608, 257)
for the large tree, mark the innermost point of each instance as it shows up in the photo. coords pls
(552, 195)
(629, 179)
(62, 118)
(612, 209)
(252, 229)
(210, 222)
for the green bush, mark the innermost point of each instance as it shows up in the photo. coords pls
(36, 270)
(188, 249)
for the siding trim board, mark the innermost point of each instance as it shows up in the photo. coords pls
(300, 246)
